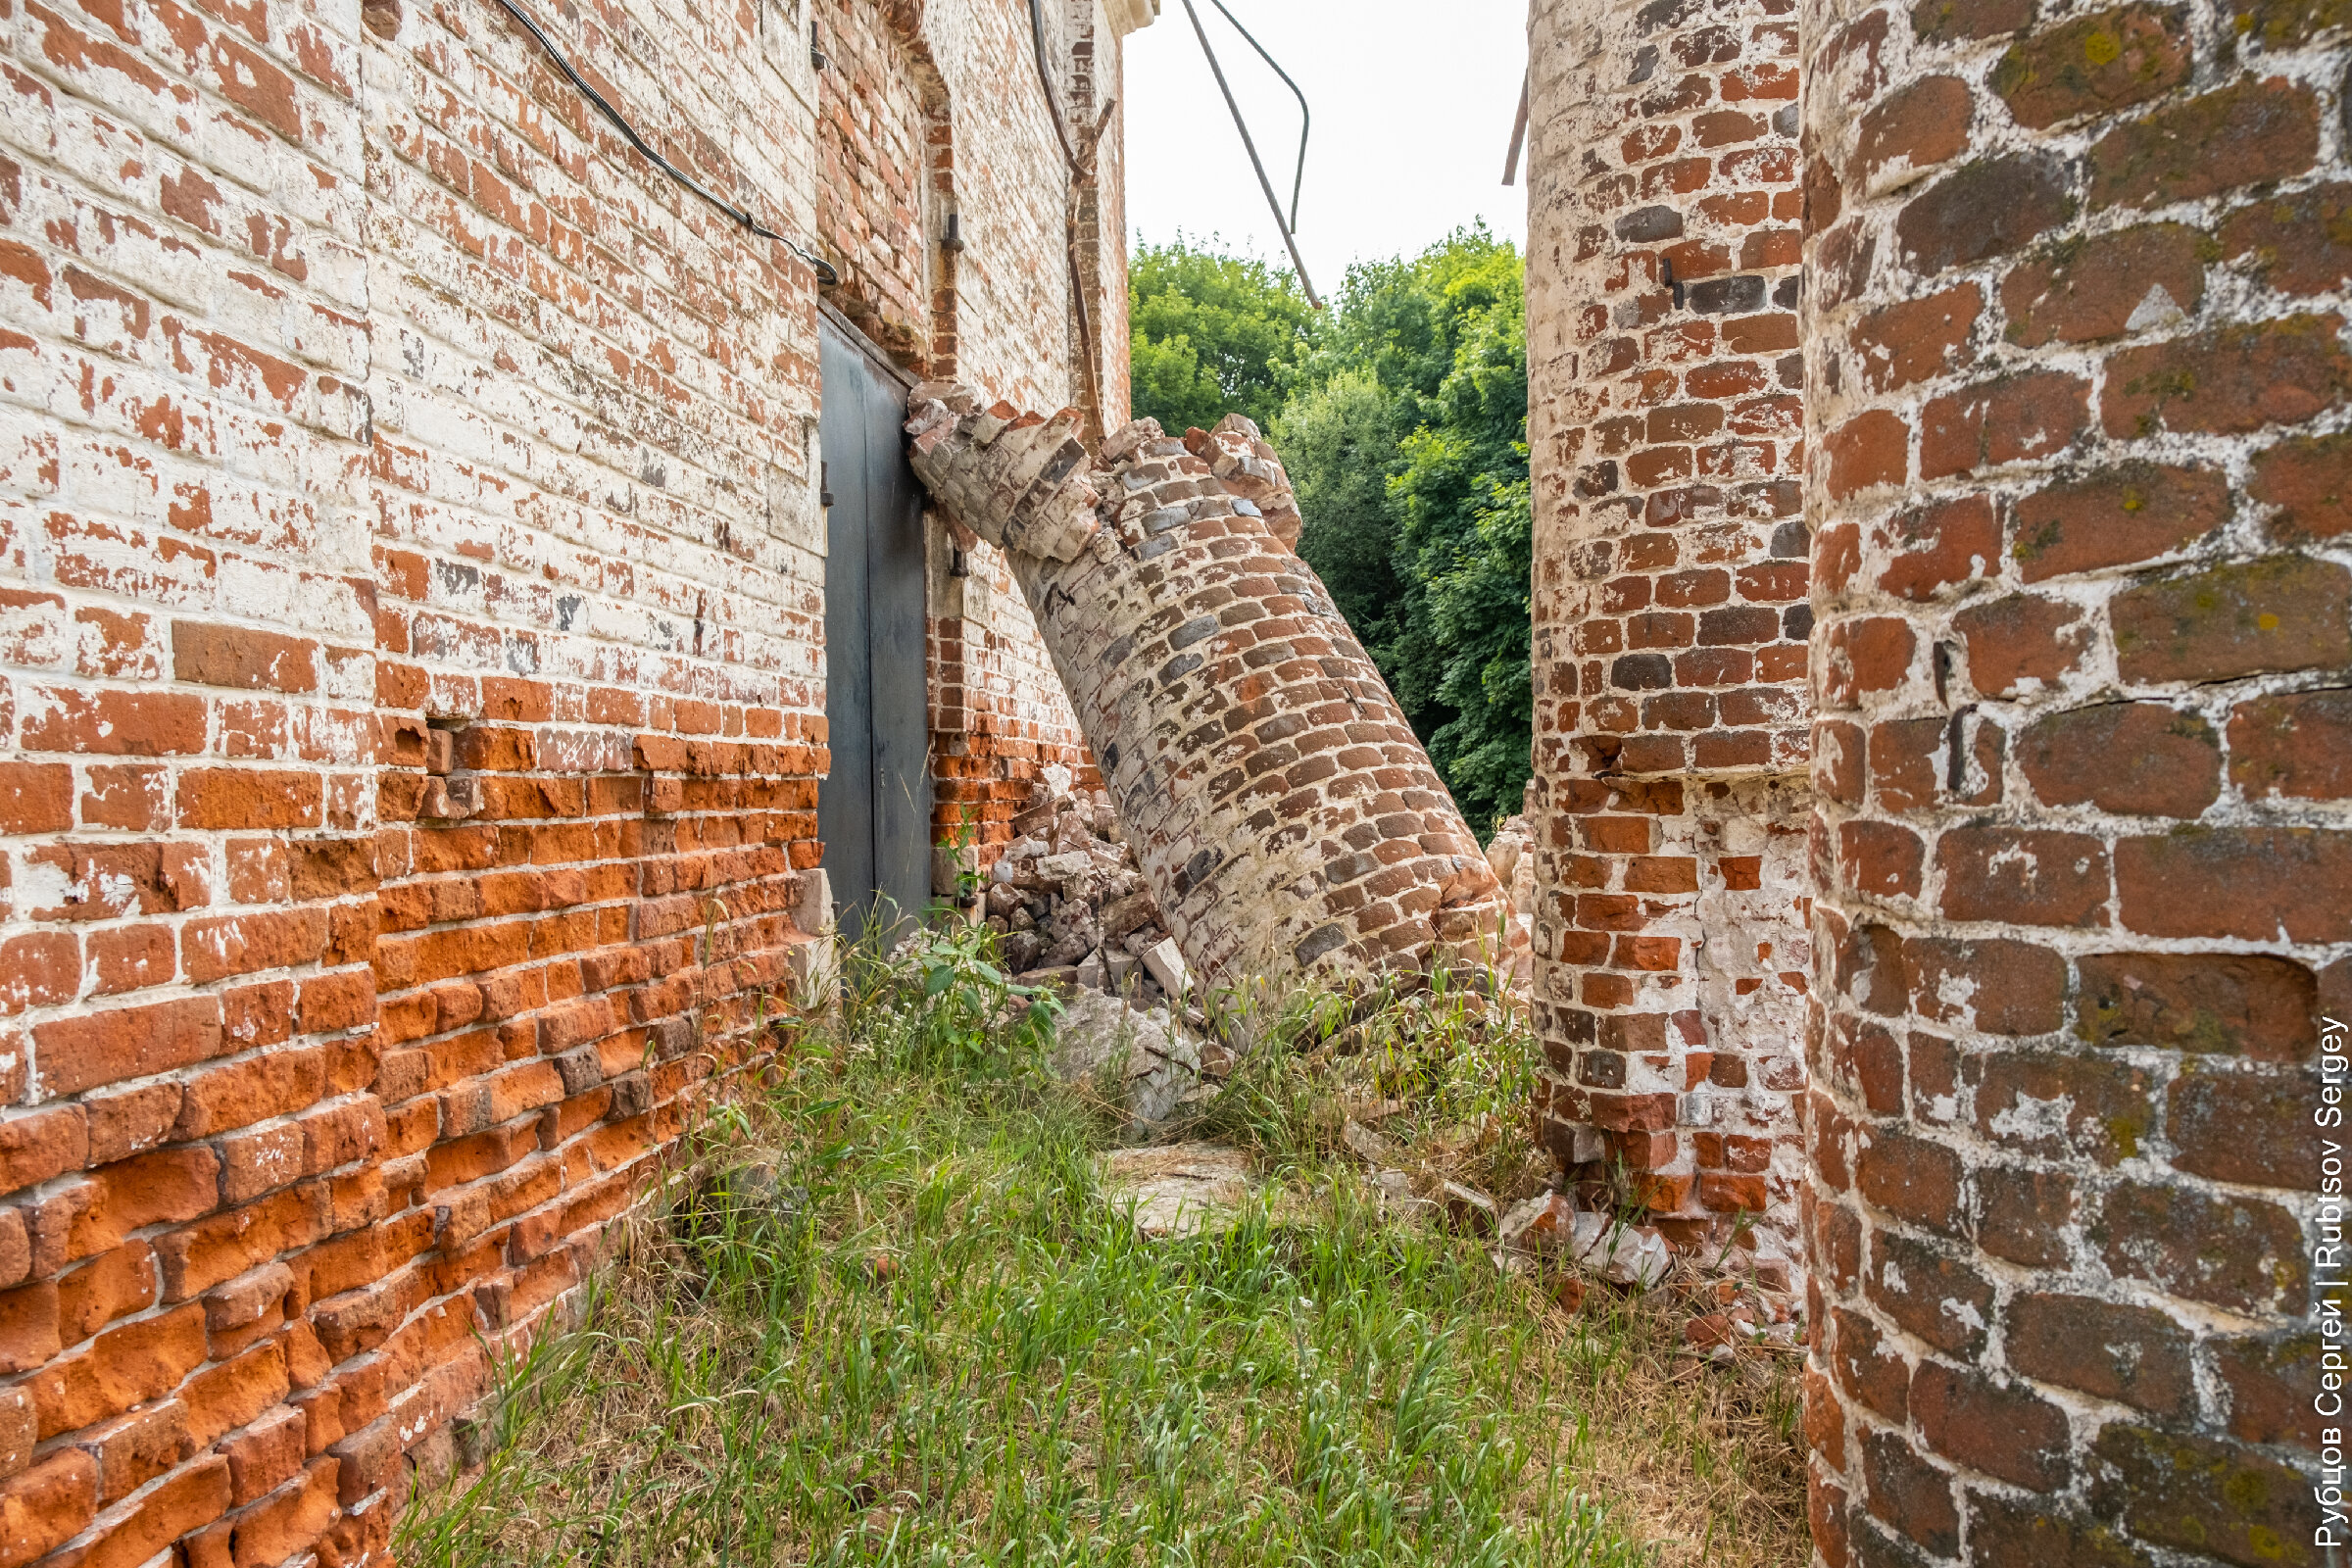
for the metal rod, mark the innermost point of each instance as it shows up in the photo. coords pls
(1081, 170)
(1306, 116)
(1510, 163)
(1273, 202)
(1037, 34)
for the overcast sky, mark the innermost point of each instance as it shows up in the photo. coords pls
(1412, 105)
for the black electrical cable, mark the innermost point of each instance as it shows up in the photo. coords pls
(823, 268)
(1273, 202)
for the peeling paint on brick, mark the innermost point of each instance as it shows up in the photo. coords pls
(1670, 617)
(411, 674)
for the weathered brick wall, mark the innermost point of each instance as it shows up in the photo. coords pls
(597, 676)
(2076, 305)
(1019, 718)
(411, 689)
(2073, 299)
(997, 300)
(886, 179)
(1098, 66)
(191, 674)
(1670, 613)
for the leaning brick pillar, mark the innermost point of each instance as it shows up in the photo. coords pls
(1666, 429)
(2076, 309)
(1282, 809)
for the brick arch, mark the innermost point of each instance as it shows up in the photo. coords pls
(885, 87)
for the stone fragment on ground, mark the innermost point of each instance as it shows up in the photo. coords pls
(1368, 1145)
(1540, 1224)
(1179, 1189)
(1620, 1253)
(1732, 1316)
(1398, 1199)
(1468, 1209)
(1142, 1059)
(1551, 1225)
(1165, 965)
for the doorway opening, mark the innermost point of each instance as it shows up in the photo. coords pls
(873, 808)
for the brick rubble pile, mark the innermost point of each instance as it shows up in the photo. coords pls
(1071, 906)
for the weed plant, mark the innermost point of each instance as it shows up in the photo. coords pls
(891, 1318)
(1446, 1069)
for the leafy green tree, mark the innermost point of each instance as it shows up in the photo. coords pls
(1339, 444)
(1440, 341)
(1477, 626)
(1401, 416)
(1210, 333)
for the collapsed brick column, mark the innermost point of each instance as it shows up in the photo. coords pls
(1286, 816)
(2076, 319)
(1666, 436)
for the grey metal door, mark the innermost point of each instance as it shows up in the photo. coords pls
(873, 811)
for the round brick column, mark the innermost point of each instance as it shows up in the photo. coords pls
(2075, 310)
(1666, 437)
(1281, 807)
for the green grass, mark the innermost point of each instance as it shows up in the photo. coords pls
(894, 1320)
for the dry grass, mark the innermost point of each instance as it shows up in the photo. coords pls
(1704, 1454)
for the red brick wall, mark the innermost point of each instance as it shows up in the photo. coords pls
(1670, 614)
(1000, 716)
(411, 693)
(2074, 298)
(2075, 304)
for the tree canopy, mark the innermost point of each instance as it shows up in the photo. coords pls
(1401, 416)
(1210, 333)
